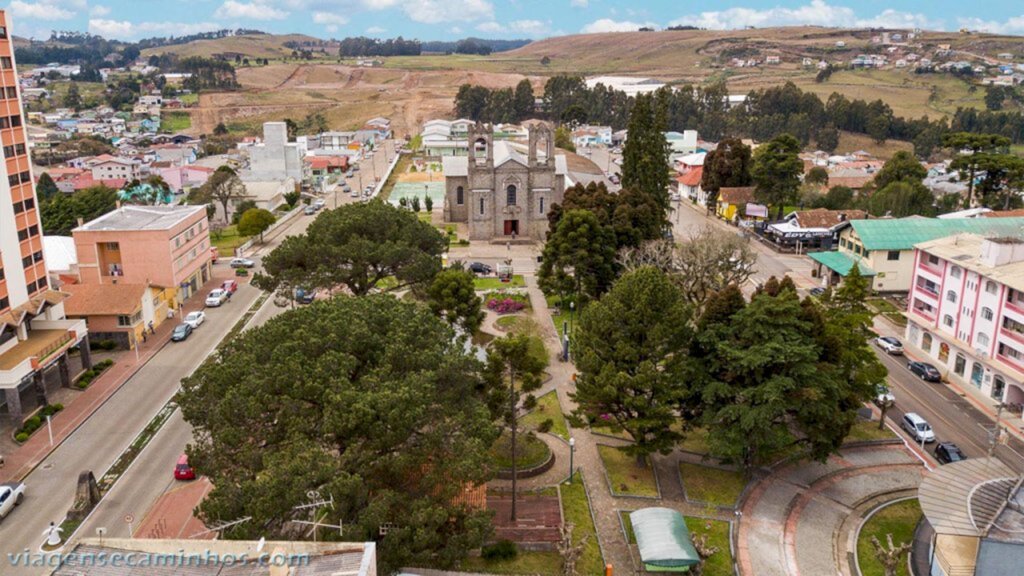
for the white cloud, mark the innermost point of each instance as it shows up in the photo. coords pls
(579, 3)
(249, 11)
(816, 13)
(381, 4)
(523, 27)
(436, 11)
(40, 10)
(99, 10)
(609, 25)
(329, 18)
(1013, 25)
(376, 30)
(125, 30)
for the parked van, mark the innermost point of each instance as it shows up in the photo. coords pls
(182, 471)
(918, 428)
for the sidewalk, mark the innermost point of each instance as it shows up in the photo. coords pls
(26, 457)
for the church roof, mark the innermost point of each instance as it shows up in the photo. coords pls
(503, 152)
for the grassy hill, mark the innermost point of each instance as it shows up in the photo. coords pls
(252, 45)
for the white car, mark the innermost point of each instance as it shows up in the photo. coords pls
(884, 395)
(242, 263)
(216, 298)
(10, 496)
(319, 203)
(195, 319)
(890, 345)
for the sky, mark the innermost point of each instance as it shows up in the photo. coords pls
(453, 19)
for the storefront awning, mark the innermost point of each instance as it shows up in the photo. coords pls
(840, 263)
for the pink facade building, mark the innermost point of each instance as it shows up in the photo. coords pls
(157, 246)
(966, 311)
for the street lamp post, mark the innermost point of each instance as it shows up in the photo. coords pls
(572, 454)
(572, 313)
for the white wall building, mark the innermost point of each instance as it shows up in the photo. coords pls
(966, 311)
(628, 84)
(275, 158)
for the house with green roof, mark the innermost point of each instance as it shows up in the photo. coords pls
(883, 248)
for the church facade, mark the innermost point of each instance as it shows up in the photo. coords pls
(501, 193)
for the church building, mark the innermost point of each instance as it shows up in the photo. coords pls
(501, 193)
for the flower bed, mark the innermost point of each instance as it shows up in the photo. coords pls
(506, 302)
(89, 375)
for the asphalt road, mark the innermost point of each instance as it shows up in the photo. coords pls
(97, 443)
(952, 417)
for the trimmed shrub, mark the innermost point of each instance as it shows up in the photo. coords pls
(500, 550)
(545, 426)
(21, 437)
(530, 402)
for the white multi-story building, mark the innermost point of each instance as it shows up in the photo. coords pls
(966, 311)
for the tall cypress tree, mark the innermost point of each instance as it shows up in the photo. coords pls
(645, 154)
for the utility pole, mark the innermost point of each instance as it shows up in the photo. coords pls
(512, 419)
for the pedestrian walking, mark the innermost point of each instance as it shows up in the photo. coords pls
(151, 329)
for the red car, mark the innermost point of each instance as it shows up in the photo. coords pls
(182, 471)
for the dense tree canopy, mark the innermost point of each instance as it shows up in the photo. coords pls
(579, 258)
(222, 186)
(901, 199)
(255, 221)
(902, 167)
(357, 246)
(645, 153)
(776, 172)
(60, 213)
(369, 401)
(452, 296)
(634, 216)
(727, 166)
(630, 355)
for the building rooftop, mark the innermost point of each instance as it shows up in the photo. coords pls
(968, 498)
(135, 218)
(59, 253)
(841, 263)
(904, 233)
(966, 251)
(103, 299)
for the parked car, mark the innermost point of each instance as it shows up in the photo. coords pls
(925, 371)
(216, 298)
(355, 193)
(355, 168)
(946, 452)
(195, 319)
(350, 174)
(181, 332)
(890, 345)
(883, 395)
(309, 210)
(182, 470)
(319, 203)
(918, 428)
(11, 494)
(480, 268)
(817, 291)
(229, 286)
(614, 179)
(242, 263)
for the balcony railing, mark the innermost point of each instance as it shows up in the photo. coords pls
(928, 268)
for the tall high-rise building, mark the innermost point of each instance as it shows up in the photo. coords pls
(35, 337)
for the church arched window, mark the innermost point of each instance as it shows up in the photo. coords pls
(510, 195)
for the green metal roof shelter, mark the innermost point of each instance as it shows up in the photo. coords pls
(903, 233)
(663, 540)
(840, 263)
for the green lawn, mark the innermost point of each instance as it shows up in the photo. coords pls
(577, 511)
(625, 476)
(696, 441)
(719, 563)
(868, 430)
(189, 99)
(492, 283)
(547, 407)
(530, 451)
(227, 241)
(507, 322)
(882, 305)
(711, 485)
(898, 519)
(610, 430)
(539, 563)
(423, 216)
(175, 122)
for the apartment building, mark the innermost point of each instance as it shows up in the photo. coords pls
(107, 167)
(35, 336)
(966, 311)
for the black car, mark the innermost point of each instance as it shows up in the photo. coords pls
(480, 268)
(925, 371)
(181, 332)
(817, 291)
(947, 452)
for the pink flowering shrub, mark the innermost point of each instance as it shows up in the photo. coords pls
(505, 305)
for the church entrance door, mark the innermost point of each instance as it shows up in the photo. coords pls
(511, 227)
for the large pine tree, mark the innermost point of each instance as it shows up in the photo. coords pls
(645, 154)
